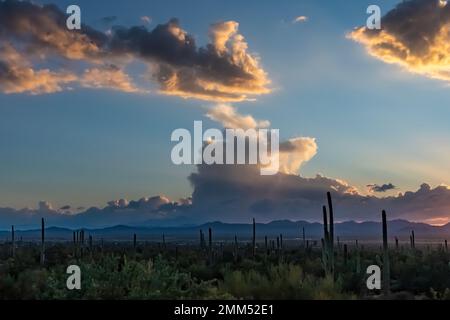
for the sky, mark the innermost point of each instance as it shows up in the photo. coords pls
(378, 118)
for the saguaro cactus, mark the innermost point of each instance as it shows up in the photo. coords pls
(13, 243)
(345, 254)
(134, 240)
(304, 238)
(386, 266)
(42, 241)
(331, 240)
(446, 247)
(254, 238)
(210, 253)
(328, 238)
(358, 259)
(396, 243)
(265, 244)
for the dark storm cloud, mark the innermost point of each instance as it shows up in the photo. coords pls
(222, 70)
(381, 188)
(414, 35)
(237, 193)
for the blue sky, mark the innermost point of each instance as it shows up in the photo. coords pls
(373, 122)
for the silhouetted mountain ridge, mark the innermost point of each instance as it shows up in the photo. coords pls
(289, 230)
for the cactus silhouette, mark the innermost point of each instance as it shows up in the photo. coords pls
(13, 243)
(386, 266)
(331, 240)
(42, 241)
(254, 238)
(345, 254)
(210, 253)
(236, 248)
(265, 245)
(304, 238)
(328, 238)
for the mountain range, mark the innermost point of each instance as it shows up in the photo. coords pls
(347, 230)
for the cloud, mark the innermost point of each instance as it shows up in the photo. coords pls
(146, 19)
(17, 75)
(294, 152)
(414, 35)
(221, 71)
(45, 206)
(230, 118)
(109, 77)
(124, 212)
(381, 188)
(300, 19)
(238, 193)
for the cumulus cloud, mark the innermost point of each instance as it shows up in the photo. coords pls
(237, 193)
(381, 188)
(294, 152)
(300, 19)
(230, 118)
(223, 70)
(414, 35)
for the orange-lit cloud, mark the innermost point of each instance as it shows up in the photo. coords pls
(221, 71)
(109, 77)
(414, 35)
(17, 75)
(224, 71)
(230, 118)
(295, 152)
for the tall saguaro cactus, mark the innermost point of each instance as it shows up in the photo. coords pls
(328, 237)
(210, 253)
(266, 245)
(254, 238)
(13, 243)
(42, 241)
(331, 240)
(386, 266)
(236, 248)
(304, 238)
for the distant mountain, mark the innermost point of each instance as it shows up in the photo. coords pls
(289, 229)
